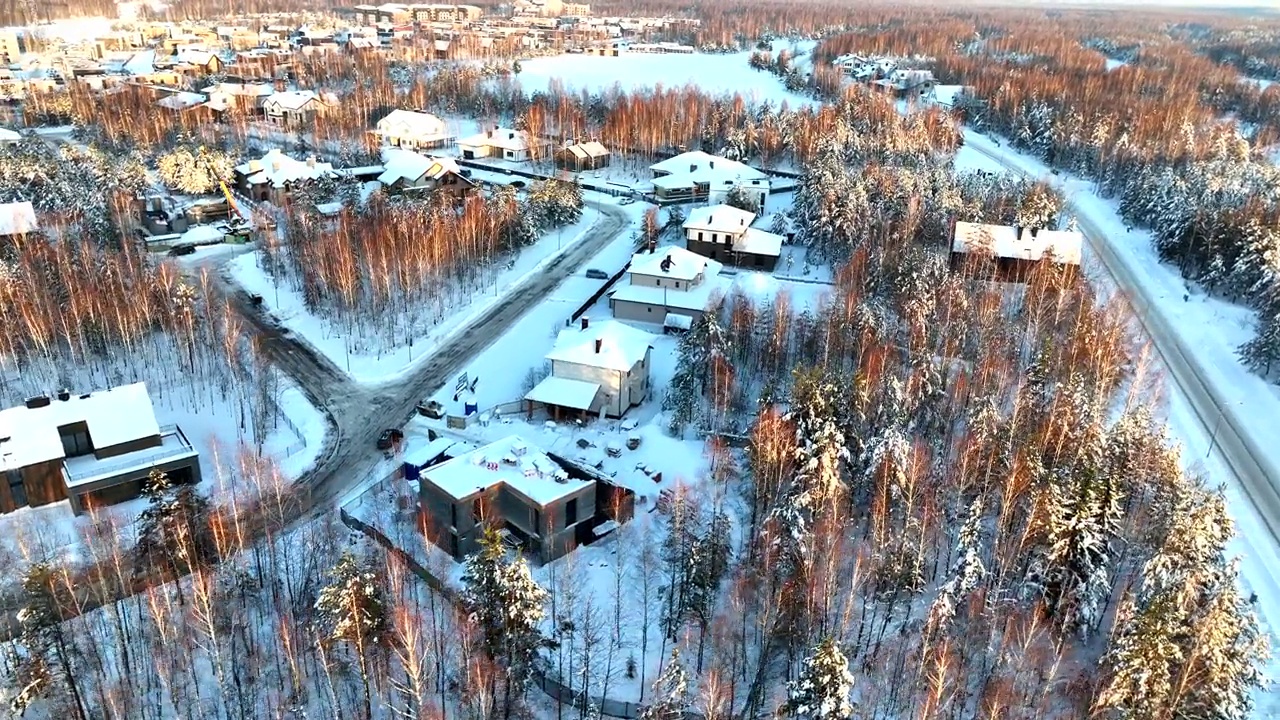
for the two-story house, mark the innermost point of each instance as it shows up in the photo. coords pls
(697, 175)
(413, 130)
(724, 233)
(405, 171)
(504, 144)
(94, 449)
(275, 174)
(292, 109)
(511, 485)
(597, 368)
(670, 286)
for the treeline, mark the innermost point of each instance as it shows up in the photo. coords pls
(1151, 133)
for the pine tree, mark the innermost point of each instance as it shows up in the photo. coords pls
(174, 531)
(48, 652)
(507, 606)
(822, 690)
(352, 608)
(670, 692)
(1262, 352)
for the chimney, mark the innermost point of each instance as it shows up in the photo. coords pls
(599, 344)
(275, 166)
(311, 161)
(712, 164)
(584, 323)
(40, 401)
(64, 394)
(1017, 229)
(488, 133)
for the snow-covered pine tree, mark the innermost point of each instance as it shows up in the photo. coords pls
(42, 658)
(967, 571)
(352, 609)
(1262, 352)
(174, 531)
(823, 689)
(507, 606)
(738, 197)
(670, 692)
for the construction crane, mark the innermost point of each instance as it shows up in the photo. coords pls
(231, 202)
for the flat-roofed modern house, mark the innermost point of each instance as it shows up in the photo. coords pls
(724, 234)
(413, 130)
(697, 175)
(513, 486)
(597, 368)
(1009, 253)
(669, 286)
(93, 450)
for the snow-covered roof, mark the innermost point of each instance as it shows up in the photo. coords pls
(194, 56)
(719, 218)
(18, 218)
(114, 417)
(9, 136)
(512, 462)
(565, 392)
(181, 100)
(673, 262)
(759, 242)
(141, 63)
(412, 124)
(291, 100)
(1020, 243)
(590, 149)
(504, 138)
(700, 167)
(409, 165)
(605, 344)
(277, 168)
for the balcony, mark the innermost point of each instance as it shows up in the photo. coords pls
(88, 470)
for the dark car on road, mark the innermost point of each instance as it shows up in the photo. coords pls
(597, 274)
(182, 250)
(389, 437)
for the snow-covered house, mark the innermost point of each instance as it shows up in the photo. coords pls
(597, 368)
(183, 102)
(724, 233)
(246, 98)
(907, 84)
(202, 61)
(272, 177)
(93, 449)
(513, 486)
(505, 144)
(697, 175)
(9, 137)
(293, 108)
(583, 156)
(669, 286)
(408, 171)
(413, 130)
(17, 220)
(1013, 251)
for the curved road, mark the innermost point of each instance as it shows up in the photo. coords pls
(1255, 470)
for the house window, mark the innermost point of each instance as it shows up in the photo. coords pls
(17, 491)
(648, 309)
(453, 516)
(677, 284)
(571, 512)
(453, 544)
(75, 442)
(713, 237)
(537, 522)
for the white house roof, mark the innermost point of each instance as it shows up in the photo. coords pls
(511, 461)
(673, 262)
(181, 100)
(114, 417)
(719, 218)
(8, 136)
(504, 138)
(18, 218)
(411, 124)
(410, 165)
(565, 392)
(619, 346)
(292, 100)
(759, 242)
(700, 167)
(588, 149)
(277, 168)
(1007, 242)
(195, 57)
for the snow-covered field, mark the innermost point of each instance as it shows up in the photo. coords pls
(370, 365)
(716, 73)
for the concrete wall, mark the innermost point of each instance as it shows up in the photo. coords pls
(642, 312)
(664, 282)
(115, 450)
(612, 383)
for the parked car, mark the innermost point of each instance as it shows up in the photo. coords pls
(184, 249)
(432, 409)
(626, 200)
(389, 437)
(597, 274)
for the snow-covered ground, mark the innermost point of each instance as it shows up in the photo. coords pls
(211, 423)
(715, 73)
(1214, 328)
(372, 365)
(1112, 64)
